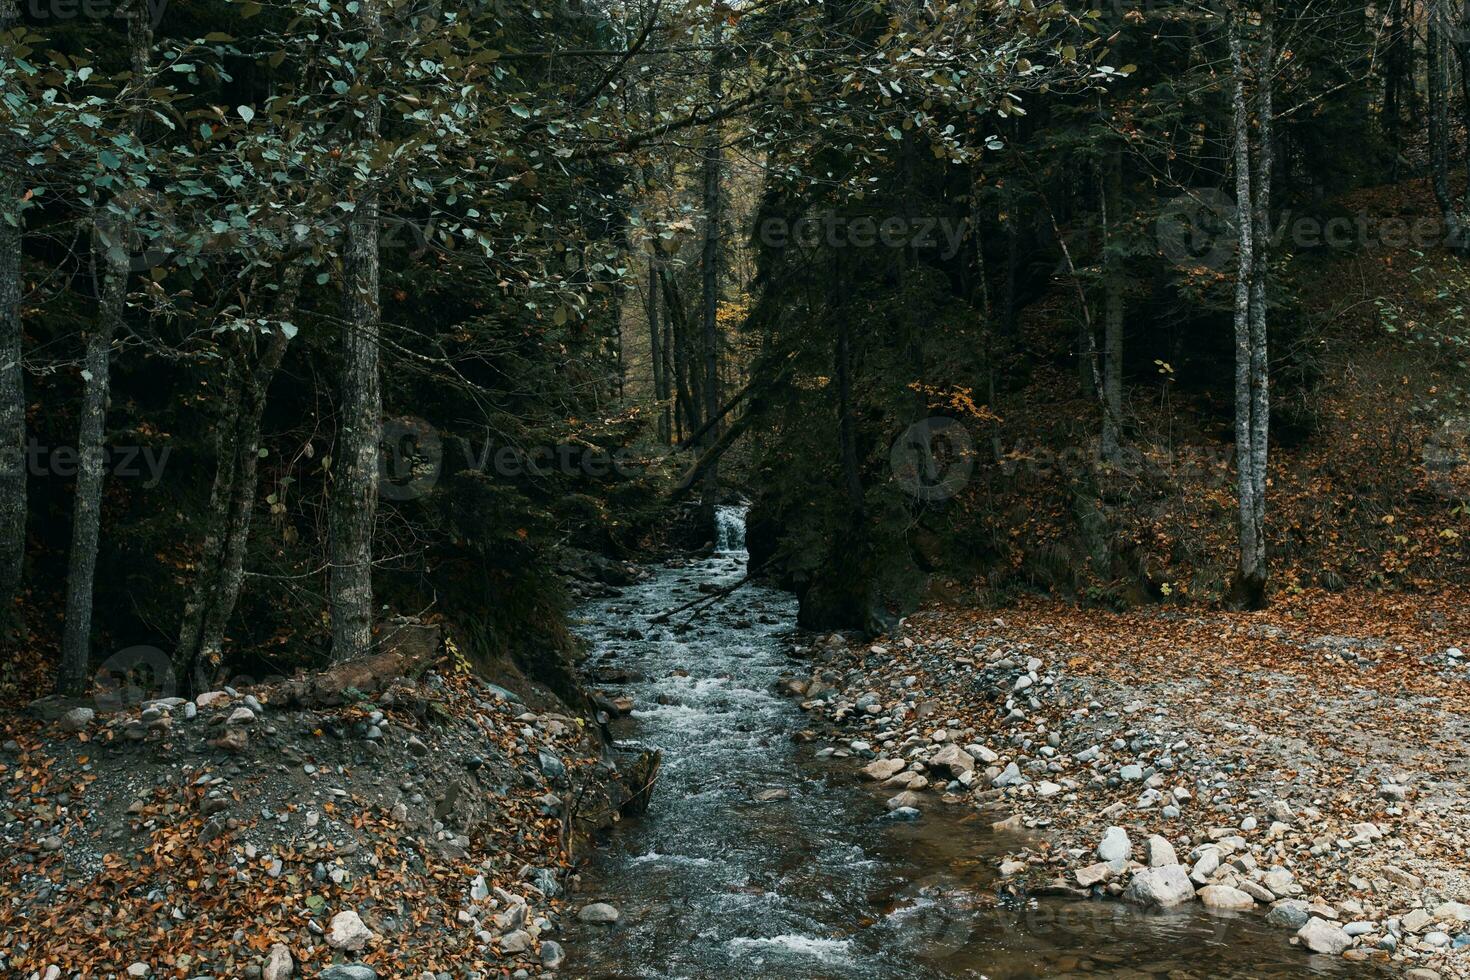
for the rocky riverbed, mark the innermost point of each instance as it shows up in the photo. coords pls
(1250, 763)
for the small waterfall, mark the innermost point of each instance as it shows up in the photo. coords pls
(730, 528)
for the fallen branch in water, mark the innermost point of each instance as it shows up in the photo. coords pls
(716, 596)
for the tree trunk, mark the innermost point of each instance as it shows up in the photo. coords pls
(1249, 583)
(710, 269)
(221, 568)
(1393, 77)
(687, 414)
(1260, 268)
(354, 501)
(846, 430)
(1439, 137)
(12, 382)
(12, 396)
(76, 641)
(655, 350)
(112, 266)
(1113, 309)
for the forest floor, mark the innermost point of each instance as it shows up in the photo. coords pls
(422, 829)
(1309, 761)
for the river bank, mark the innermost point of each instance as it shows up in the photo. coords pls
(1305, 765)
(395, 827)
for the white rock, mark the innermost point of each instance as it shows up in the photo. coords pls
(348, 932)
(1321, 936)
(1225, 897)
(278, 965)
(1158, 852)
(600, 913)
(1160, 887)
(1116, 847)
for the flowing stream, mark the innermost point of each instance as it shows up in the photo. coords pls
(754, 860)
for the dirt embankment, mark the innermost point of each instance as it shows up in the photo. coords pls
(385, 828)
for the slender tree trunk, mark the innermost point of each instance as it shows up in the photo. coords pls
(846, 430)
(687, 405)
(12, 382)
(221, 568)
(76, 642)
(710, 269)
(1113, 310)
(354, 502)
(655, 348)
(112, 267)
(1260, 268)
(1439, 136)
(1393, 77)
(12, 399)
(1250, 575)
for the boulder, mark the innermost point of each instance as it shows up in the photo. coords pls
(1321, 936)
(881, 769)
(1225, 897)
(1289, 913)
(953, 760)
(599, 913)
(1160, 887)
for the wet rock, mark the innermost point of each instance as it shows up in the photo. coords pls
(599, 913)
(347, 932)
(1160, 887)
(1321, 936)
(1225, 897)
(881, 769)
(908, 798)
(552, 954)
